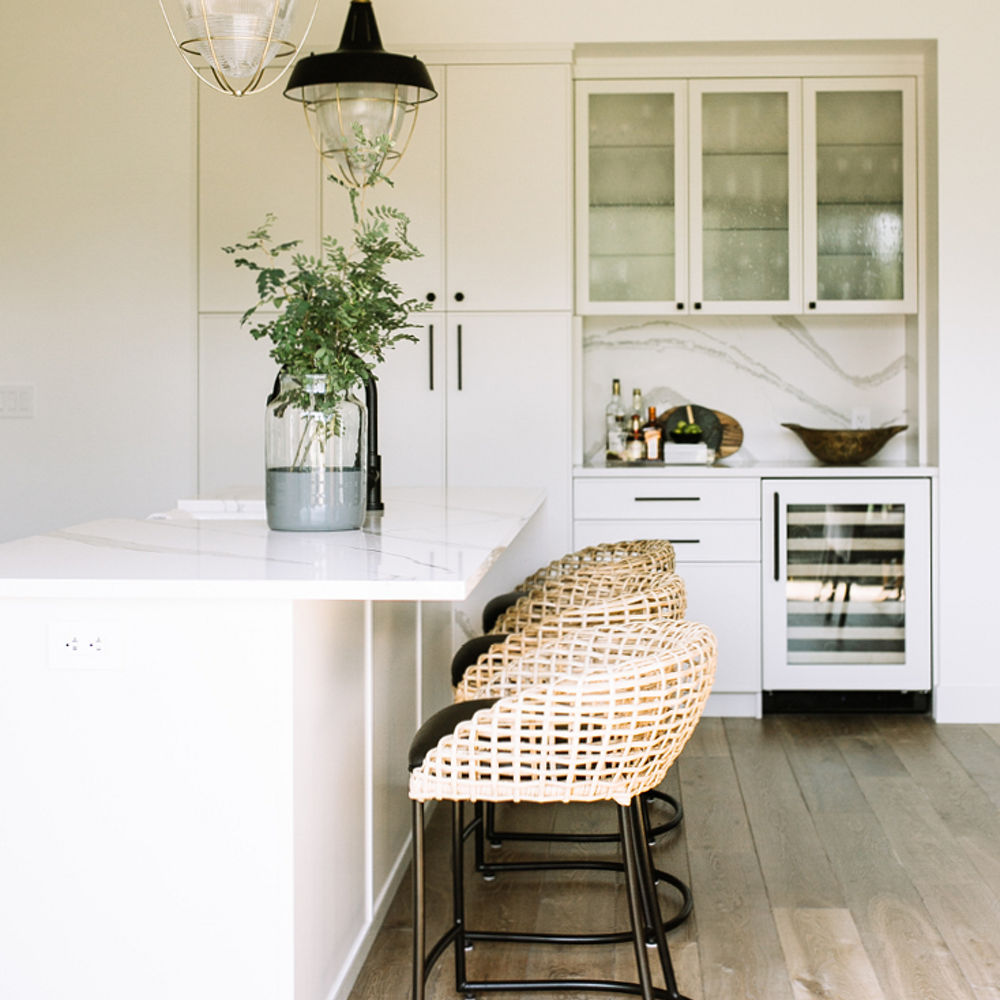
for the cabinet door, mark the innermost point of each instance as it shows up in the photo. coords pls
(745, 196)
(847, 585)
(411, 408)
(631, 176)
(509, 184)
(724, 595)
(509, 410)
(860, 180)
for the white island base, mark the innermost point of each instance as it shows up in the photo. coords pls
(212, 805)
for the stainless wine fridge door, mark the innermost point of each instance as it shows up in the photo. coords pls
(846, 595)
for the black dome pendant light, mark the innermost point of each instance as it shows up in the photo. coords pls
(360, 85)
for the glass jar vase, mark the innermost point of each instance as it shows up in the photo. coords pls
(314, 458)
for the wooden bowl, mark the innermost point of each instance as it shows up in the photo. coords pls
(845, 447)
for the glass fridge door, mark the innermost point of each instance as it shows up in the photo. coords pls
(847, 601)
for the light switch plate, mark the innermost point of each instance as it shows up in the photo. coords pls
(17, 401)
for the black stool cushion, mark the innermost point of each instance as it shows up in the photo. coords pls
(469, 652)
(441, 724)
(496, 606)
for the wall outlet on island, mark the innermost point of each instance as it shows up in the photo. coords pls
(861, 418)
(83, 645)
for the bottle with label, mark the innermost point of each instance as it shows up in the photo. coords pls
(635, 447)
(614, 420)
(652, 436)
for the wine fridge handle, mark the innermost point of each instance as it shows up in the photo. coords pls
(777, 536)
(458, 355)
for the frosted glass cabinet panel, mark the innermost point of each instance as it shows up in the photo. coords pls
(847, 593)
(745, 202)
(860, 190)
(631, 184)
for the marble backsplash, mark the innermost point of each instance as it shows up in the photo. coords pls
(762, 370)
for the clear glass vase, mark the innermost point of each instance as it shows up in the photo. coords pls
(315, 460)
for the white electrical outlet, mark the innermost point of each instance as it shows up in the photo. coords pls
(82, 644)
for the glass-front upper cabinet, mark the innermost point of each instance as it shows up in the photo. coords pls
(632, 196)
(745, 197)
(860, 189)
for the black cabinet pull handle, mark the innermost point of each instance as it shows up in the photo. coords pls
(431, 297)
(812, 305)
(667, 499)
(459, 296)
(697, 305)
(777, 537)
(458, 355)
(680, 305)
(685, 541)
(430, 357)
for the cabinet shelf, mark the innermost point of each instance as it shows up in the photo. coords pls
(632, 145)
(632, 204)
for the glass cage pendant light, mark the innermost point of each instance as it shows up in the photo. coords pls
(360, 85)
(231, 44)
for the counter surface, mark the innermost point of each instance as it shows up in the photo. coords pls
(428, 545)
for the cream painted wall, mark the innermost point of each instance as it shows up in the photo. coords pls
(96, 278)
(96, 268)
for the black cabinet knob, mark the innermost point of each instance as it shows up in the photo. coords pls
(697, 305)
(459, 296)
(430, 296)
(812, 305)
(680, 305)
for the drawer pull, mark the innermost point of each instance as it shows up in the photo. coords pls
(667, 499)
(684, 541)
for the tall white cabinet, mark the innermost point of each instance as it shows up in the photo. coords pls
(483, 395)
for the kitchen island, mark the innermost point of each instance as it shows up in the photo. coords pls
(203, 729)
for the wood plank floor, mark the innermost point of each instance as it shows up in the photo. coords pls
(852, 857)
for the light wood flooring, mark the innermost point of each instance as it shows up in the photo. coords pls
(852, 857)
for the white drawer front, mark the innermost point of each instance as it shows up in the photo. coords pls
(694, 541)
(666, 499)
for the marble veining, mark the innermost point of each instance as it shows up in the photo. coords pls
(762, 370)
(430, 544)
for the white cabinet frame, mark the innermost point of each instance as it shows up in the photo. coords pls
(906, 86)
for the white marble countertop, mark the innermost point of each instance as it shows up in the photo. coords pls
(428, 545)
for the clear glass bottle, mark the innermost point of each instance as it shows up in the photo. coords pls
(614, 421)
(637, 410)
(314, 458)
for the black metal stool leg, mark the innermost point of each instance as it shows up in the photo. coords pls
(645, 875)
(458, 893)
(626, 826)
(419, 925)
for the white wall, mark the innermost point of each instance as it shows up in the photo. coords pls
(96, 273)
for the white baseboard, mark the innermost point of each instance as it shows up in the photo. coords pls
(972, 703)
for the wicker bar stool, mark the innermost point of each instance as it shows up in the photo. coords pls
(593, 731)
(654, 554)
(481, 667)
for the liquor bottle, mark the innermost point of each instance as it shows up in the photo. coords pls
(635, 447)
(652, 437)
(614, 421)
(636, 408)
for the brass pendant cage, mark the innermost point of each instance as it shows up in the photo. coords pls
(231, 44)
